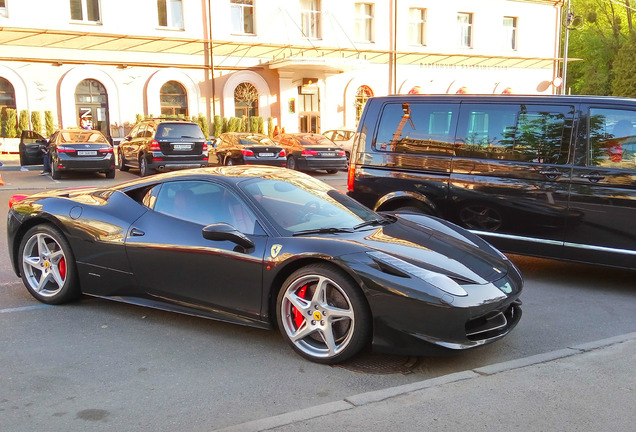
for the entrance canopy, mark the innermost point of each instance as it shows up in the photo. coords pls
(274, 53)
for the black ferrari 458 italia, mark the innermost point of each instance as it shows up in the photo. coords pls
(269, 247)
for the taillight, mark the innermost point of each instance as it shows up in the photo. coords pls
(310, 153)
(154, 146)
(247, 152)
(106, 150)
(282, 153)
(342, 153)
(351, 175)
(62, 149)
(16, 198)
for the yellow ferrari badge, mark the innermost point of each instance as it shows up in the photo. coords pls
(275, 250)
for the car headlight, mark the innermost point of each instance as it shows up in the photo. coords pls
(438, 280)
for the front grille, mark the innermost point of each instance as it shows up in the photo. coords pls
(494, 324)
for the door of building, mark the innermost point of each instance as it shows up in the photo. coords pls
(309, 121)
(91, 103)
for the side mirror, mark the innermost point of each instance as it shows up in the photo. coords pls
(223, 232)
(128, 138)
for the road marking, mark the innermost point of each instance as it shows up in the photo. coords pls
(24, 308)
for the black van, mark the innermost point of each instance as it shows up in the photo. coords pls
(551, 176)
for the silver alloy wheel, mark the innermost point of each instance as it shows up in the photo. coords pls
(317, 316)
(143, 167)
(44, 265)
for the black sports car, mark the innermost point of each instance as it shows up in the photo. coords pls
(268, 247)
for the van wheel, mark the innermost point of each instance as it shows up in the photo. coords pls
(144, 170)
(480, 217)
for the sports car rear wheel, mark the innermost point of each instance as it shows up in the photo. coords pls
(322, 314)
(47, 265)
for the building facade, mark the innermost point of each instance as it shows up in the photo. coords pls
(309, 65)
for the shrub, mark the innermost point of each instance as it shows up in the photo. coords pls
(23, 122)
(49, 123)
(11, 123)
(36, 121)
(203, 122)
(270, 127)
(217, 127)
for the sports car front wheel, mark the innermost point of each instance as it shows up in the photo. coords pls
(47, 265)
(322, 314)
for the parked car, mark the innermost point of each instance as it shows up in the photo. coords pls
(310, 152)
(551, 176)
(163, 144)
(238, 148)
(68, 150)
(343, 138)
(269, 247)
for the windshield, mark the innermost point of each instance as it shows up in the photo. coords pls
(256, 139)
(82, 136)
(301, 203)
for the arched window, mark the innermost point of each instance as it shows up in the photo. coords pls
(7, 95)
(174, 100)
(362, 94)
(91, 104)
(245, 100)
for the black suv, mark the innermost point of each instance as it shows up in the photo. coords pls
(163, 144)
(553, 176)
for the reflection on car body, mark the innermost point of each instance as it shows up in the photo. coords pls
(269, 247)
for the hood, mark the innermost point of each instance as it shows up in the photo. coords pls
(440, 247)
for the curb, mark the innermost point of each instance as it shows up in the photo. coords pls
(384, 394)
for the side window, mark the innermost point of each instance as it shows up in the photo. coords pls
(612, 138)
(204, 203)
(417, 128)
(525, 133)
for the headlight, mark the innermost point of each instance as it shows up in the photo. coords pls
(438, 280)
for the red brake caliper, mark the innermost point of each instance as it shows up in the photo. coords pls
(298, 315)
(61, 266)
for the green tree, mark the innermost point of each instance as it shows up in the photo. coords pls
(36, 121)
(23, 122)
(217, 126)
(624, 82)
(49, 123)
(203, 122)
(270, 127)
(11, 123)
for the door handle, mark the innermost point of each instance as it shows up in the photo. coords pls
(136, 232)
(593, 177)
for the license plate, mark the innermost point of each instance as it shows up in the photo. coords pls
(266, 154)
(328, 154)
(183, 147)
(86, 153)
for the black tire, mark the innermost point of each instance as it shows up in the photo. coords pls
(122, 162)
(332, 171)
(229, 161)
(110, 174)
(48, 266)
(144, 170)
(321, 304)
(56, 174)
(292, 164)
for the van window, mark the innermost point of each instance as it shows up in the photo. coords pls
(417, 128)
(612, 138)
(525, 133)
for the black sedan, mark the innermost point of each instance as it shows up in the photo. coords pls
(69, 150)
(311, 152)
(269, 247)
(239, 148)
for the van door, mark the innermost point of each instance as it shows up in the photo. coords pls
(604, 188)
(511, 174)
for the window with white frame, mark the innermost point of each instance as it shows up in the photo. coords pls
(364, 22)
(310, 18)
(465, 23)
(170, 14)
(85, 10)
(510, 33)
(242, 16)
(417, 26)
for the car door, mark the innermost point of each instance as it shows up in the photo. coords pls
(511, 174)
(172, 261)
(30, 147)
(604, 187)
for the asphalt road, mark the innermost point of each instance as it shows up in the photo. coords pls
(103, 365)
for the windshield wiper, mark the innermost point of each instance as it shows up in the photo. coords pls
(380, 221)
(329, 230)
